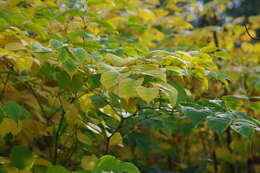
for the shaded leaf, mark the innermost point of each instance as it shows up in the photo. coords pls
(15, 111)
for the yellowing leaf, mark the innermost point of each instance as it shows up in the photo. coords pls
(42, 162)
(31, 130)
(12, 3)
(23, 63)
(83, 138)
(147, 94)
(116, 139)
(109, 79)
(127, 87)
(10, 126)
(14, 46)
(4, 160)
(114, 60)
(89, 162)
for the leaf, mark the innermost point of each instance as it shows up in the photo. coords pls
(21, 157)
(220, 122)
(14, 46)
(156, 73)
(116, 139)
(15, 111)
(70, 66)
(55, 44)
(128, 167)
(127, 87)
(37, 29)
(37, 47)
(110, 163)
(114, 60)
(107, 163)
(89, 162)
(182, 96)
(232, 102)
(245, 127)
(57, 169)
(80, 54)
(9, 126)
(98, 100)
(109, 79)
(169, 91)
(147, 94)
(103, 23)
(94, 81)
(197, 115)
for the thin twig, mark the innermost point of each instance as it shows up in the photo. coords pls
(39, 102)
(4, 87)
(247, 31)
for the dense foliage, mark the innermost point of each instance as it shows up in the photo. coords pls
(128, 86)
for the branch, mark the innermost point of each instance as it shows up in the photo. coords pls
(247, 31)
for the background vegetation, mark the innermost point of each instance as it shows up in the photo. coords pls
(156, 86)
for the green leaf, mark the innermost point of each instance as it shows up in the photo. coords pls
(233, 102)
(108, 163)
(94, 81)
(63, 79)
(156, 74)
(182, 96)
(80, 54)
(37, 47)
(56, 44)
(15, 111)
(21, 157)
(70, 66)
(128, 167)
(37, 29)
(245, 127)
(57, 169)
(169, 91)
(197, 115)
(63, 54)
(103, 23)
(147, 94)
(98, 100)
(220, 122)
(2, 169)
(109, 79)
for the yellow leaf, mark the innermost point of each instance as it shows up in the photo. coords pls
(89, 162)
(85, 102)
(12, 3)
(9, 126)
(147, 94)
(42, 162)
(83, 138)
(4, 160)
(116, 139)
(14, 46)
(109, 79)
(31, 130)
